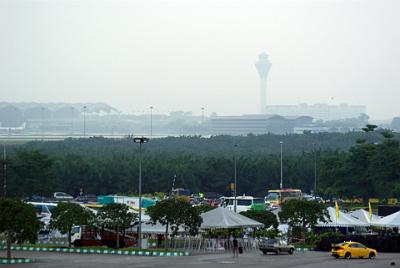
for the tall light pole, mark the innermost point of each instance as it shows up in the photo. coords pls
(84, 121)
(202, 120)
(315, 171)
(151, 121)
(140, 141)
(72, 120)
(235, 164)
(281, 184)
(5, 170)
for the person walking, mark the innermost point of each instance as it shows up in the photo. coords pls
(235, 247)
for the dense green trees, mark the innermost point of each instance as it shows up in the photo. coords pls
(32, 172)
(369, 168)
(18, 222)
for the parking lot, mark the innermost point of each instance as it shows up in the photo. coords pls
(300, 259)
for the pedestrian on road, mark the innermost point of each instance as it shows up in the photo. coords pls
(235, 247)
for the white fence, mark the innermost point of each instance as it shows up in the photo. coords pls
(212, 245)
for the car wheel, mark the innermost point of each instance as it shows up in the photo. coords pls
(264, 252)
(347, 255)
(336, 256)
(291, 251)
(372, 255)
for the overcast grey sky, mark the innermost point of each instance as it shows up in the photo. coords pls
(185, 54)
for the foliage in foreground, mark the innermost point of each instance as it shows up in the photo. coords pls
(18, 222)
(175, 213)
(116, 216)
(303, 214)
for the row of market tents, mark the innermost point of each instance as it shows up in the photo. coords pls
(359, 218)
(222, 218)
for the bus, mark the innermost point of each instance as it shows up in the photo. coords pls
(279, 197)
(243, 203)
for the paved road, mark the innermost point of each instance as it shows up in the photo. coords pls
(301, 260)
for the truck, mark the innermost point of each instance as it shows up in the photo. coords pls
(85, 236)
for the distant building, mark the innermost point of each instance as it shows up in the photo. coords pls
(323, 112)
(256, 124)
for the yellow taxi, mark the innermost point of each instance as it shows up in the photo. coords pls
(349, 250)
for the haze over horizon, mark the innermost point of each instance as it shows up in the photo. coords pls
(184, 55)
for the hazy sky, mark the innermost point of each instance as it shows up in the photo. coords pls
(185, 54)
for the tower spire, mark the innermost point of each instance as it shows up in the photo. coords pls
(263, 66)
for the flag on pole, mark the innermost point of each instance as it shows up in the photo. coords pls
(370, 210)
(337, 210)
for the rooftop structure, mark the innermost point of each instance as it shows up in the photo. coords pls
(324, 112)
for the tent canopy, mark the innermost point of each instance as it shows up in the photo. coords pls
(393, 220)
(363, 216)
(344, 220)
(222, 218)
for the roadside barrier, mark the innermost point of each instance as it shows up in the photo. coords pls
(15, 261)
(101, 251)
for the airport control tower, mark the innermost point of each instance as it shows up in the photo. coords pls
(263, 66)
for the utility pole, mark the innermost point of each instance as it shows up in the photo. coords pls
(140, 141)
(202, 120)
(235, 165)
(151, 121)
(315, 171)
(281, 184)
(84, 121)
(5, 170)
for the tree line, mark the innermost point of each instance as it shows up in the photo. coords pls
(369, 168)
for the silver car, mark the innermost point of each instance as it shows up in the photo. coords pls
(275, 245)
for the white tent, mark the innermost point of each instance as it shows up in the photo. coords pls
(393, 220)
(222, 218)
(363, 216)
(344, 220)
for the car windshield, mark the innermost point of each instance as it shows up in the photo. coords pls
(75, 230)
(273, 196)
(271, 241)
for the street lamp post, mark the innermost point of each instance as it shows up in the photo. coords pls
(315, 171)
(72, 120)
(202, 120)
(84, 121)
(235, 165)
(281, 184)
(5, 170)
(140, 141)
(151, 121)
